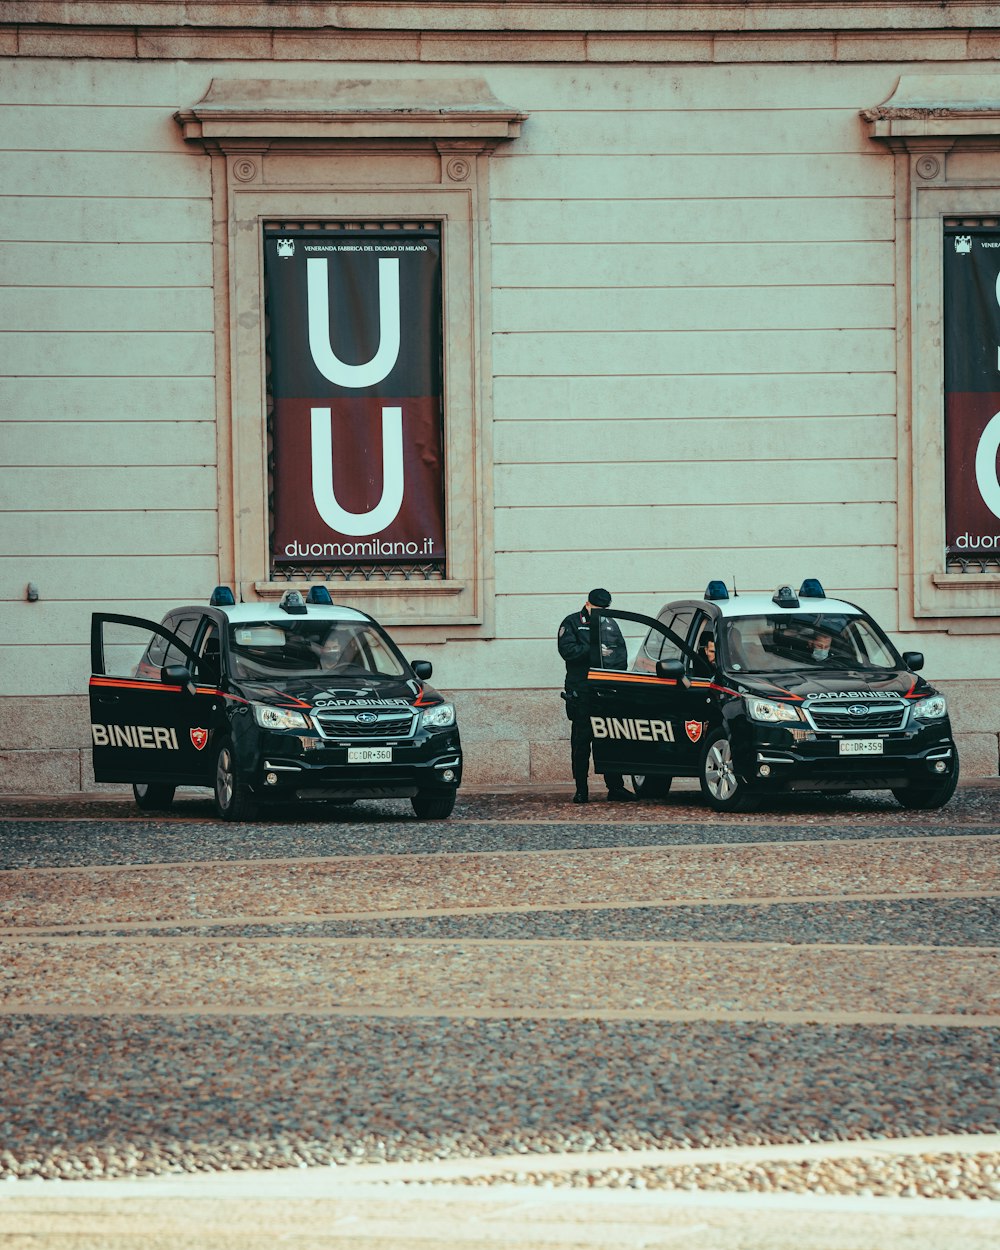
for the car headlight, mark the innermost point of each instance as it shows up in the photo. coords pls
(765, 710)
(440, 716)
(931, 709)
(269, 717)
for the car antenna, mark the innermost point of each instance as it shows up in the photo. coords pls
(736, 593)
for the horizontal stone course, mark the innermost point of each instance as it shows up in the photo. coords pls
(579, 42)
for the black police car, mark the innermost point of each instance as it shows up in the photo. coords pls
(302, 700)
(803, 693)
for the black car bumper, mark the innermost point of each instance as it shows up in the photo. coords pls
(777, 760)
(290, 766)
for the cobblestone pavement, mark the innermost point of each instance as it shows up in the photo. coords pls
(505, 997)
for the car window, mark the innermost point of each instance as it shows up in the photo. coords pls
(678, 623)
(156, 652)
(126, 646)
(279, 648)
(184, 628)
(792, 643)
(702, 634)
(660, 646)
(210, 661)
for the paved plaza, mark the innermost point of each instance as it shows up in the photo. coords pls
(531, 1025)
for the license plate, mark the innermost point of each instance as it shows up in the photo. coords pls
(369, 755)
(861, 746)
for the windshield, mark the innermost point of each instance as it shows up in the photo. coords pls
(281, 648)
(786, 643)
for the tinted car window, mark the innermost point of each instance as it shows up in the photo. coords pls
(678, 623)
(184, 629)
(703, 632)
(209, 666)
(278, 648)
(775, 644)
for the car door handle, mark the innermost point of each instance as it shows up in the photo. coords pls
(107, 698)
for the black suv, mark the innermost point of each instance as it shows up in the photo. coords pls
(759, 695)
(300, 700)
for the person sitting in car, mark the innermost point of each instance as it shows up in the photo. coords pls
(820, 647)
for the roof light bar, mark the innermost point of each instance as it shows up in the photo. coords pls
(811, 589)
(319, 594)
(785, 597)
(222, 597)
(293, 603)
(716, 590)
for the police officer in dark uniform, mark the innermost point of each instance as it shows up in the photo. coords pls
(574, 647)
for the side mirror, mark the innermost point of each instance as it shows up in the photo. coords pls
(422, 669)
(177, 675)
(914, 660)
(674, 669)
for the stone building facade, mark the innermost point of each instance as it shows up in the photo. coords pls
(692, 322)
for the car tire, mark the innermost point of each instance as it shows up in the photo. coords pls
(234, 800)
(926, 797)
(153, 796)
(723, 790)
(651, 787)
(433, 805)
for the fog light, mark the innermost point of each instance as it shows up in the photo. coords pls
(448, 775)
(940, 766)
(271, 779)
(764, 770)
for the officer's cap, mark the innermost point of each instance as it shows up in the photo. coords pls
(600, 598)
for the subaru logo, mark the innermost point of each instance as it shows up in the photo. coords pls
(366, 718)
(858, 709)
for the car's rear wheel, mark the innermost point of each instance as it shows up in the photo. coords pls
(433, 805)
(721, 786)
(925, 797)
(234, 800)
(651, 787)
(153, 796)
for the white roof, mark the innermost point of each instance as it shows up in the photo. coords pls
(764, 605)
(243, 612)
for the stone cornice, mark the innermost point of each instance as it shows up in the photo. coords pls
(511, 16)
(235, 112)
(925, 109)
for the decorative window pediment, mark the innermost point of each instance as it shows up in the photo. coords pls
(940, 108)
(348, 110)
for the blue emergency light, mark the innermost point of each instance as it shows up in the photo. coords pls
(319, 594)
(716, 590)
(222, 597)
(811, 589)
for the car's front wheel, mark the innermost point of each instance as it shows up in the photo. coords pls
(234, 800)
(433, 805)
(925, 797)
(722, 787)
(153, 796)
(651, 787)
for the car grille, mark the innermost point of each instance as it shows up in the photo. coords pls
(839, 719)
(394, 723)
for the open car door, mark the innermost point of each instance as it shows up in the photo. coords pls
(150, 723)
(649, 721)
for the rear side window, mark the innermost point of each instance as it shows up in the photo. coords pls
(678, 623)
(184, 629)
(657, 646)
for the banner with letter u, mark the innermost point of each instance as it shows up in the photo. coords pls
(972, 390)
(355, 352)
